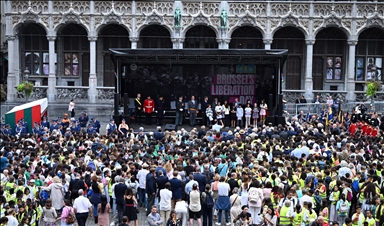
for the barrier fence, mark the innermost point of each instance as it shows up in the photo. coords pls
(294, 109)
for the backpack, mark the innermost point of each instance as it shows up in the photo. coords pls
(87, 179)
(91, 164)
(343, 208)
(253, 195)
(355, 186)
(349, 196)
(286, 188)
(44, 195)
(71, 218)
(208, 200)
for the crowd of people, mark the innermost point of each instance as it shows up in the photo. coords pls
(316, 170)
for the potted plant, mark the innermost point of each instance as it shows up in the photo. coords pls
(372, 88)
(26, 88)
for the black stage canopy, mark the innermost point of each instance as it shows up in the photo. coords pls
(189, 72)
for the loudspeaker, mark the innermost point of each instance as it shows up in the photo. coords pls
(270, 119)
(280, 120)
(279, 111)
(170, 127)
(270, 103)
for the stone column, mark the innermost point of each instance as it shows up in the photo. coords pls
(51, 92)
(92, 92)
(223, 43)
(308, 84)
(177, 43)
(134, 41)
(267, 43)
(351, 71)
(11, 80)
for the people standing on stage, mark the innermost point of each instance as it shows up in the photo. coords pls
(138, 108)
(179, 111)
(71, 109)
(192, 110)
(149, 107)
(204, 106)
(248, 113)
(255, 114)
(263, 111)
(226, 112)
(219, 110)
(209, 115)
(160, 110)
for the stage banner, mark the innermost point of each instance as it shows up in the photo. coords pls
(241, 86)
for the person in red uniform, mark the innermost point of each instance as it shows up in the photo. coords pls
(149, 107)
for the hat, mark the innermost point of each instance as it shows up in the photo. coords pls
(123, 120)
(32, 181)
(92, 118)
(140, 130)
(6, 125)
(145, 165)
(68, 128)
(82, 112)
(44, 116)
(36, 123)
(242, 131)
(111, 119)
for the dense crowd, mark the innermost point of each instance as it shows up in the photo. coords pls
(317, 169)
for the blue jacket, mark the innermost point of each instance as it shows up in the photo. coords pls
(201, 179)
(176, 187)
(150, 185)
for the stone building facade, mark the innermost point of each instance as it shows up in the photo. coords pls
(334, 47)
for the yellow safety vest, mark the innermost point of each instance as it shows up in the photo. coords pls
(283, 213)
(298, 219)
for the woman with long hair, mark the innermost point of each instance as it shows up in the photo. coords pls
(130, 206)
(103, 209)
(248, 114)
(270, 218)
(67, 209)
(226, 112)
(235, 204)
(244, 189)
(368, 192)
(342, 209)
(255, 114)
(96, 196)
(173, 219)
(49, 214)
(263, 110)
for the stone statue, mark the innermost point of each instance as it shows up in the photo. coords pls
(177, 18)
(223, 19)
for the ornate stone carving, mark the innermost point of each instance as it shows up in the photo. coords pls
(10, 37)
(154, 18)
(262, 22)
(105, 94)
(247, 19)
(127, 21)
(257, 8)
(211, 8)
(19, 6)
(102, 6)
(56, 20)
(29, 15)
(123, 7)
(140, 21)
(201, 18)
(164, 7)
(343, 9)
(364, 10)
(374, 20)
(332, 19)
(61, 6)
(144, 7)
(38, 93)
(112, 16)
(267, 41)
(45, 20)
(98, 20)
(134, 39)
(168, 20)
(279, 9)
(92, 38)
(16, 18)
(352, 42)
(292, 96)
(322, 9)
(40, 6)
(191, 7)
(216, 22)
(51, 37)
(380, 9)
(317, 24)
(300, 9)
(274, 23)
(186, 21)
(360, 24)
(347, 24)
(237, 8)
(71, 16)
(290, 19)
(310, 41)
(361, 97)
(80, 6)
(304, 23)
(72, 93)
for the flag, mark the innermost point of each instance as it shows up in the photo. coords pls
(340, 117)
(330, 114)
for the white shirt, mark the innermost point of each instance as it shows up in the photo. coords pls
(165, 199)
(305, 198)
(141, 176)
(82, 204)
(12, 221)
(223, 189)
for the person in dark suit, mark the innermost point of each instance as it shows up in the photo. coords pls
(204, 106)
(120, 189)
(75, 185)
(192, 110)
(233, 183)
(150, 185)
(200, 178)
(158, 134)
(161, 180)
(138, 108)
(160, 110)
(176, 188)
(179, 111)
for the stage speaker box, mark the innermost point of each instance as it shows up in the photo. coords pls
(270, 119)
(280, 120)
(170, 127)
(270, 104)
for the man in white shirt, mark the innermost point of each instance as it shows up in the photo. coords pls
(82, 207)
(12, 221)
(305, 198)
(165, 201)
(223, 202)
(289, 197)
(141, 176)
(188, 186)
